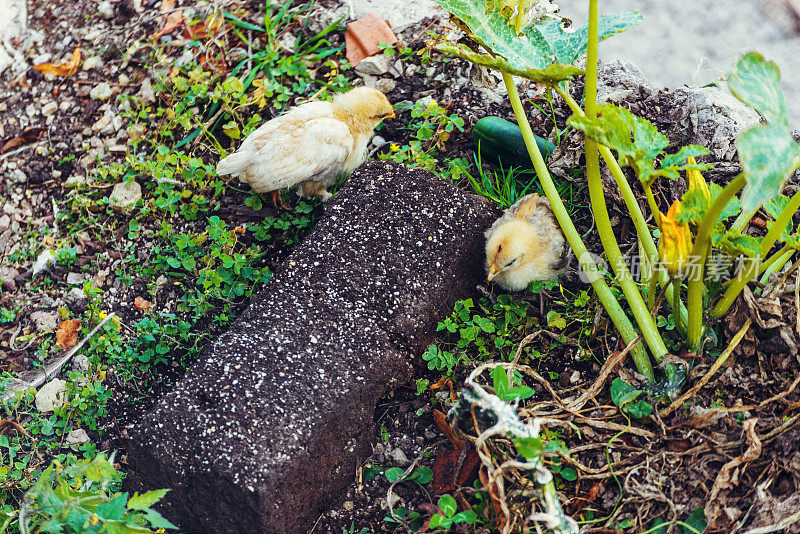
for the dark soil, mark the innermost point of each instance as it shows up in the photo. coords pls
(666, 470)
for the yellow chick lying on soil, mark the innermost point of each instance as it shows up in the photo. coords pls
(525, 244)
(310, 146)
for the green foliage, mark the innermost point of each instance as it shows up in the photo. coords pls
(542, 51)
(79, 498)
(624, 396)
(421, 475)
(637, 141)
(696, 522)
(431, 127)
(503, 186)
(757, 83)
(450, 515)
(769, 154)
(505, 390)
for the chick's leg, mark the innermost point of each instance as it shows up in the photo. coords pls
(314, 188)
(278, 202)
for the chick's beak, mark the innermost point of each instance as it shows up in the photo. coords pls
(492, 272)
(390, 115)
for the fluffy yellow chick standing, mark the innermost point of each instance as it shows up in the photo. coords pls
(310, 146)
(525, 244)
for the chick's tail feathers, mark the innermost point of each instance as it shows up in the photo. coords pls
(234, 164)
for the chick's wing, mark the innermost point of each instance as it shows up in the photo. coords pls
(298, 150)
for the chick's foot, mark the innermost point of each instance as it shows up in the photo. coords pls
(278, 202)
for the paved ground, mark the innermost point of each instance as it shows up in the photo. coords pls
(697, 41)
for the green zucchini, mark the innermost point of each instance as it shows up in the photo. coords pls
(500, 139)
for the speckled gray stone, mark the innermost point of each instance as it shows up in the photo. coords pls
(270, 424)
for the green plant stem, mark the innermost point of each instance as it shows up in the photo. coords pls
(744, 217)
(775, 263)
(751, 272)
(652, 287)
(628, 196)
(675, 283)
(699, 251)
(772, 259)
(597, 198)
(651, 201)
(612, 307)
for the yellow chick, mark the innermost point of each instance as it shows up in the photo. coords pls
(310, 146)
(525, 244)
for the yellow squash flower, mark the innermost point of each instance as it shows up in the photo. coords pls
(675, 244)
(696, 181)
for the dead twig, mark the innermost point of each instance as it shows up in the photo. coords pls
(608, 368)
(53, 368)
(714, 368)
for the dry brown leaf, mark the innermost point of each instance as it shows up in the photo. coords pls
(28, 136)
(172, 22)
(64, 69)
(67, 333)
(729, 475)
(142, 304)
(5, 423)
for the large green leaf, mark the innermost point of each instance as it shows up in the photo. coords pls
(774, 208)
(540, 44)
(637, 142)
(624, 396)
(757, 83)
(694, 206)
(734, 242)
(769, 155)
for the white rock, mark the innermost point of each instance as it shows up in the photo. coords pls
(102, 91)
(45, 321)
(80, 362)
(44, 57)
(105, 9)
(146, 93)
(49, 108)
(93, 62)
(399, 457)
(378, 140)
(77, 436)
(75, 180)
(91, 35)
(125, 195)
(51, 395)
(12, 25)
(369, 80)
(375, 65)
(75, 279)
(124, 79)
(385, 85)
(101, 123)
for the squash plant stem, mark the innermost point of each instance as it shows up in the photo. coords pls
(645, 237)
(748, 274)
(610, 303)
(699, 252)
(634, 297)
